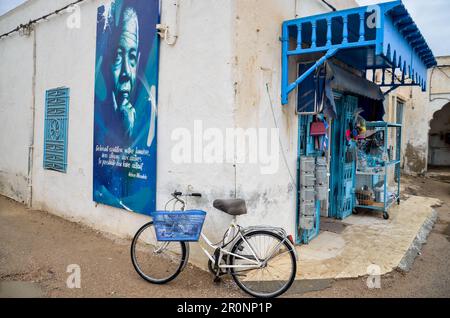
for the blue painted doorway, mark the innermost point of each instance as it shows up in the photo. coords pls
(306, 148)
(343, 160)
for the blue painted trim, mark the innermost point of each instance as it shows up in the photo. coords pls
(285, 90)
(341, 198)
(298, 239)
(320, 62)
(397, 42)
(284, 65)
(305, 236)
(330, 47)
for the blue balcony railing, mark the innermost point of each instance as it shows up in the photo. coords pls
(382, 37)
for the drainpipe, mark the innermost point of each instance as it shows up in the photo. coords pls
(33, 116)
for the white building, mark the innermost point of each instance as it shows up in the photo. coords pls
(223, 70)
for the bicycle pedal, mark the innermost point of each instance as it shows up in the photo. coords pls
(217, 280)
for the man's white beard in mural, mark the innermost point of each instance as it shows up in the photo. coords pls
(127, 115)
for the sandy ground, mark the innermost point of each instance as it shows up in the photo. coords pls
(430, 274)
(36, 248)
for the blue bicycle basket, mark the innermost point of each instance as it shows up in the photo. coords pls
(180, 226)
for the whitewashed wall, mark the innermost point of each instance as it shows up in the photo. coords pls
(16, 99)
(271, 198)
(226, 53)
(195, 84)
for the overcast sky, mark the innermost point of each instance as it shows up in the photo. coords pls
(6, 5)
(432, 17)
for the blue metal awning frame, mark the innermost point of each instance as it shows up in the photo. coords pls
(381, 37)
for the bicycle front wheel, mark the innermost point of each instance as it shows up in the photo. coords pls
(277, 272)
(157, 262)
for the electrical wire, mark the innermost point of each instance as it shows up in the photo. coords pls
(293, 182)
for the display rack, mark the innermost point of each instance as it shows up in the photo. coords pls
(378, 168)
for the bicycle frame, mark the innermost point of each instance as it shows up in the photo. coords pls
(235, 233)
(246, 254)
(223, 251)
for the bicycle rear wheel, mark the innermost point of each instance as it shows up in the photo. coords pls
(157, 262)
(272, 279)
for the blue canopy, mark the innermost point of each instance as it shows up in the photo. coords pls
(380, 37)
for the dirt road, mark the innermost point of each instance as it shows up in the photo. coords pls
(36, 248)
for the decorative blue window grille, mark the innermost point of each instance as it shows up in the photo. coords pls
(56, 127)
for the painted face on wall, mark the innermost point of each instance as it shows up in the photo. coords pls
(124, 68)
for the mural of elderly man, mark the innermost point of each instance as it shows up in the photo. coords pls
(124, 69)
(125, 105)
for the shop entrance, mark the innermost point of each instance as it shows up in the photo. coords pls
(327, 167)
(325, 162)
(361, 152)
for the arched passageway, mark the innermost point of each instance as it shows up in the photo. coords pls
(439, 139)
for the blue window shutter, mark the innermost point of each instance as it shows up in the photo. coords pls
(56, 127)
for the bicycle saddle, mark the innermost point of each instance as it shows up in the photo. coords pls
(232, 206)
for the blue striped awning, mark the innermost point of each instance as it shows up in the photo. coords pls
(380, 38)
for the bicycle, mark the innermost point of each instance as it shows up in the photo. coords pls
(261, 260)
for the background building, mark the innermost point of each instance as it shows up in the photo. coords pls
(429, 112)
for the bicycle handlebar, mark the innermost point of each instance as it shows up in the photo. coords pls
(179, 194)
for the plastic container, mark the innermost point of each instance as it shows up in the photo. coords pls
(321, 161)
(308, 194)
(322, 192)
(180, 226)
(307, 222)
(379, 194)
(308, 208)
(307, 164)
(307, 180)
(321, 176)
